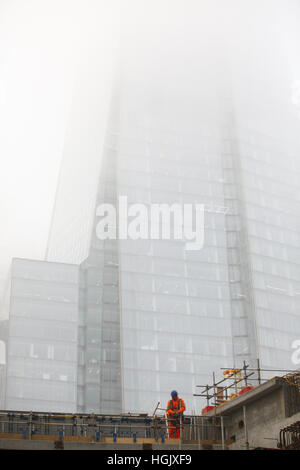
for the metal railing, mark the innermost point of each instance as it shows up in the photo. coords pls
(29, 424)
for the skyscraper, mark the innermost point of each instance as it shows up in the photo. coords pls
(190, 124)
(183, 314)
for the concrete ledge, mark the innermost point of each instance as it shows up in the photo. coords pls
(252, 395)
(24, 444)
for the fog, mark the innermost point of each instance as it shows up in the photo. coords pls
(220, 57)
(247, 52)
(205, 64)
(49, 52)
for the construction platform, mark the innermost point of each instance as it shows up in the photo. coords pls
(263, 415)
(32, 430)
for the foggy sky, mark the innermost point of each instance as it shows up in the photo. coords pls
(53, 52)
(47, 50)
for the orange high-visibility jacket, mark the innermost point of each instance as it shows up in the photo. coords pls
(175, 406)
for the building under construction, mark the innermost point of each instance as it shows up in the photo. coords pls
(238, 416)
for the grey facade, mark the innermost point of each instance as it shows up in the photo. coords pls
(183, 314)
(270, 178)
(41, 371)
(139, 318)
(3, 344)
(100, 374)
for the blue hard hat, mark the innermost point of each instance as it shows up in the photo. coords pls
(174, 393)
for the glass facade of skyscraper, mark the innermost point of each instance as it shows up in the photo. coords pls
(190, 123)
(42, 338)
(270, 173)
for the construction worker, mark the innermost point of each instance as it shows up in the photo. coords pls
(175, 410)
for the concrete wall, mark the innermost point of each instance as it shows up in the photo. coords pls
(265, 417)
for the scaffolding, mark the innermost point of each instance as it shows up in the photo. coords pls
(239, 381)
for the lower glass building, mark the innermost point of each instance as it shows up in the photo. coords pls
(41, 364)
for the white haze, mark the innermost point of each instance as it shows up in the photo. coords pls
(48, 51)
(237, 57)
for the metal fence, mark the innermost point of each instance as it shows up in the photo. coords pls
(193, 428)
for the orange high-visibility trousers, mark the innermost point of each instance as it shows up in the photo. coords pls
(174, 428)
(174, 432)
